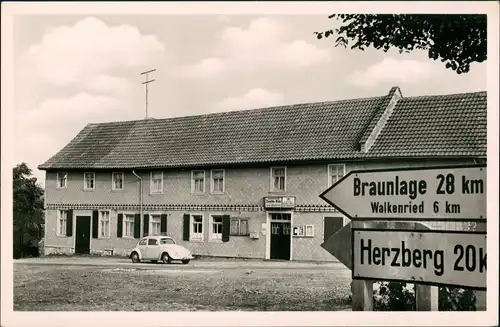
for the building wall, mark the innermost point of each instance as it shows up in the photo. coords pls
(237, 246)
(247, 185)
(309, 248)
(55, 244)
(243, 186)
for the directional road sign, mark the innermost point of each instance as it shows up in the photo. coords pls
(340, 244)
(446, 193)
(426, 257)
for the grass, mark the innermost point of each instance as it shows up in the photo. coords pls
(174, 288)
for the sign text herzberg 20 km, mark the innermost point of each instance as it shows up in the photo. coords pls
(432, 257)
(446, 193)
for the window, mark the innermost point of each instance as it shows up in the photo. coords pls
(62, 221)
(104, 224)
(143, 241)
(166, 240)
(62, 179)
(216, 228)
(88, 181)
(153, 241)
(281, 216)
(128, 225)
(335, 173)
(197, 227)
(117, 183)
(217, 181)
(239, 227)
(198, 181)
(278, 179)
(155, 224)
(156, 182)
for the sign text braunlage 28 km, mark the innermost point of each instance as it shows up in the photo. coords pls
(433, 257)
(443, 193)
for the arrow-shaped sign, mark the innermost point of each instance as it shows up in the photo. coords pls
(441, 193)
(340, 244)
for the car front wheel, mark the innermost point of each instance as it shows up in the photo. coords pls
(135, 257)
(185, 261)
(166, 258)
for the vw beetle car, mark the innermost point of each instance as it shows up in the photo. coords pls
(156, 248)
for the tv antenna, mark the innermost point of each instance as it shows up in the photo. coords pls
(147, 82)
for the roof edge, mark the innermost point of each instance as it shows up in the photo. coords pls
(297, 161)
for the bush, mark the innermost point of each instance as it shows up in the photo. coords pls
(457, 299)
(393, 296)
(400, 296)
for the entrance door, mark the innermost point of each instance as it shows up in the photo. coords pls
(331, 226)
(280, 240)
(82, 235)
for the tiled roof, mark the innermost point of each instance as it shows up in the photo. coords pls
(451, 125)
(377, 114)
(445, 125)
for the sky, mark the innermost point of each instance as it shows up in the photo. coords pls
(72, 70)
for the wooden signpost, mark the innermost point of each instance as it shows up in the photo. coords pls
(387, 241)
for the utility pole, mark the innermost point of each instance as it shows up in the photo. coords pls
(147, 82)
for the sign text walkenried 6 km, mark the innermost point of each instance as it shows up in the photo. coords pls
(450, 193)
(434, 257)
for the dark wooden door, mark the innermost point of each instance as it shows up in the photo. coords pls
(82, 235)
(280, 241)
(331, 226)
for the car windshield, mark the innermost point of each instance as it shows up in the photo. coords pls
(166, 240)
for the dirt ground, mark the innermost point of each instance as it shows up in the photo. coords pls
(200, 285)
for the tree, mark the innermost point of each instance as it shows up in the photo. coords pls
(458, 40)
(28, 209)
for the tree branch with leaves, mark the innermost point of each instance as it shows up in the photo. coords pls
(28, 215)
(457, 40)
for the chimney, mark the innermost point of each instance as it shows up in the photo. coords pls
(388, 107)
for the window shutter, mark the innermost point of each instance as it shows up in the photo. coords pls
(226, 227)
(69, 223)
(95, 224)
(163, 225)
(186, 228)
(137, 226)
(119, 229)
(146, 225)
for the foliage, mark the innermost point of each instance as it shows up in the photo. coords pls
(456, 299)
(397, 296)
(28, 209)
(393, 296)
(457, 40)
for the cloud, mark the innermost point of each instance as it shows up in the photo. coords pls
(55, 121)
(265, 44)
(205, 68)
(255, 98)
(71, 54)
(73, 76)
(81, 108)
(106, 84)
(391, 70)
